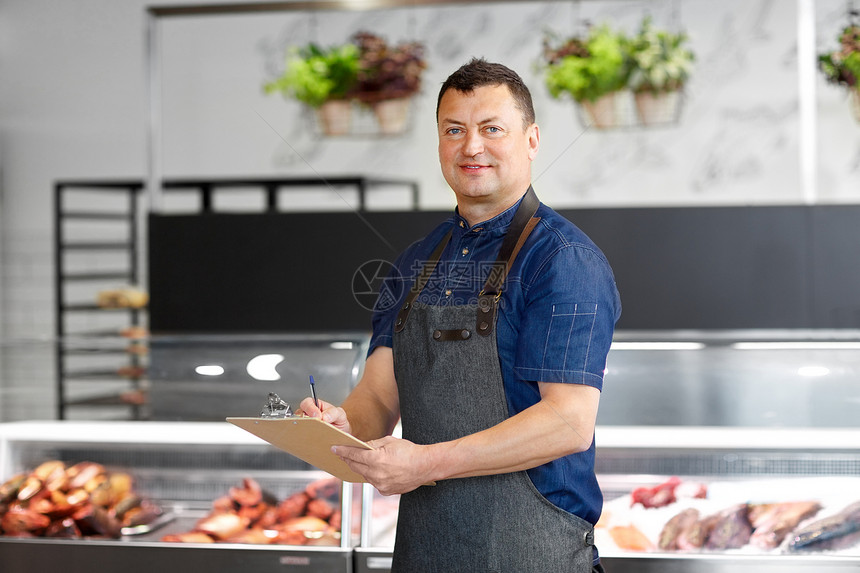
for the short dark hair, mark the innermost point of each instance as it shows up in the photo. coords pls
(478, 73)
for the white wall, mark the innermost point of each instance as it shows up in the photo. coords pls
(737, 143)
(73, 105)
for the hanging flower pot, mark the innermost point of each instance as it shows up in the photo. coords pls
(335, 117)
(590, 70)
(657, 108)
(366, 71)
(661, 64)
(391, 114)
(320, 78)
(603, 112)
(388, 77)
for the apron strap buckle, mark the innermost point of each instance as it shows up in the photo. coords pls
(487, 305)
(452, 335)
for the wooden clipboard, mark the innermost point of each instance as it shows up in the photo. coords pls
(309, 439)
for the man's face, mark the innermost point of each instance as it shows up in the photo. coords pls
(484, 152)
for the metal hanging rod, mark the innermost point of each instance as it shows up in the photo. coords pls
(357, 5)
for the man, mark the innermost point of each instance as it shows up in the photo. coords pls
(493, 360)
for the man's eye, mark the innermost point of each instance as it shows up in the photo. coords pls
(493, 129)
(454, 130)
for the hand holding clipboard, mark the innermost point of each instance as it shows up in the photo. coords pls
(309, 439)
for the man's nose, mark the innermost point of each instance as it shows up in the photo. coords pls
(473, 144)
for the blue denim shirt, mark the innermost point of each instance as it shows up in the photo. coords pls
(556, 319)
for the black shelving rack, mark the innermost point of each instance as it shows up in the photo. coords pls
(70, 344)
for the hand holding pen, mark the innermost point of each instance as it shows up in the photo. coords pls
(316, 408)
(311, 406)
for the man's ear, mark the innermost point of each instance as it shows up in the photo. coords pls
(533, 133)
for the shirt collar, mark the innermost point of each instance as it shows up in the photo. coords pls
(500, 222)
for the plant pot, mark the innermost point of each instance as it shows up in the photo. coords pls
(335, 117)
(657, 108)
(855, 102)
(602, 113)
(391, 114)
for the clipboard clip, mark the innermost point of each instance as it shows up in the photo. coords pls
(276, 408)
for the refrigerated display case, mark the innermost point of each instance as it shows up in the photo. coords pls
(737, 465)
(187, 459)
(759, 416)
(743, 468)
(184, 468)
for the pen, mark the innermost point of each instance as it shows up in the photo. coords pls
(314, 392)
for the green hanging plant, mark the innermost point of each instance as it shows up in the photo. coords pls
(843, 66)
(315, 75)
(366, 70)
(587, 69)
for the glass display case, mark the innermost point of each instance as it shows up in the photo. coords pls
(756, 417)
(218, 498)
(759, 418)
(210, 377)
(747, 378)
(208, 494)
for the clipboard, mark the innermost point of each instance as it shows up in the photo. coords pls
(309, 439)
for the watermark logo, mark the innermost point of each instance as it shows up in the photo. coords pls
(370, 289)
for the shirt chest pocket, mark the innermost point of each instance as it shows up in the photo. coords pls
(568, 336)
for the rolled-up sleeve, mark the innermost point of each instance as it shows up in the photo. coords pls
(571, 307)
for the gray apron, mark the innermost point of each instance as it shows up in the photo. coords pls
(450, 384)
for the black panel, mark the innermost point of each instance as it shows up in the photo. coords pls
(716, 267)
(835, 251)
(272, 272)
(676, 268)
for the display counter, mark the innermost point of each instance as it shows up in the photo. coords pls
(759, 418)
(186, 469)
(187, 465)
(748, 468)
(754, 466)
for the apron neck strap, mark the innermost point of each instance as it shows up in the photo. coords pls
(420, 281)
(521, 226)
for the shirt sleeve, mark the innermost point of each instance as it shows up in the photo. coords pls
(571, 307)
(392, 291)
